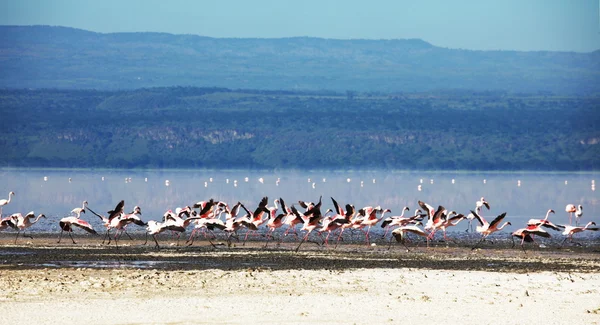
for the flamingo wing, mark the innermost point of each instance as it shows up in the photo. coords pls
(482, 221)
(337, 207)
(497, 220)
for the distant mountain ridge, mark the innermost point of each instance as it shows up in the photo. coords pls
(69, 58)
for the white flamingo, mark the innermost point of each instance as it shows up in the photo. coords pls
(4, 202)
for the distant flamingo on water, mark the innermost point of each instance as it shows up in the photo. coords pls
(570, 209)
(4, 202)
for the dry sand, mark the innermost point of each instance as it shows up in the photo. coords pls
(88, 283)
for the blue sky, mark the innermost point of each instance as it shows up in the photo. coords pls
(525, 25)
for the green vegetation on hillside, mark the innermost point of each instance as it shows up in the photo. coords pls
(223, 128)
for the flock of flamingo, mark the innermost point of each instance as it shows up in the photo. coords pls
(206, 217)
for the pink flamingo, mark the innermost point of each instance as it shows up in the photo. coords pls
(400, 233)
(486, 229)
(372, 220)
(311, 224)
(67, 223)
(527, 234)
(8, 222)
(544, 222)
(24, 222)
(570, 231)
(570, 209)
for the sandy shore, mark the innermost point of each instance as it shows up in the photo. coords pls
(45, 283)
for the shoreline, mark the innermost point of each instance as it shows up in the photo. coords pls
(49, 283)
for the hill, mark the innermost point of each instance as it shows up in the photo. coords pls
(67, 58)
(222, 128)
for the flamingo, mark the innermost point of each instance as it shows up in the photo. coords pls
(478, 206)
(330, 224)
(400, 233)
(24, 222)
(154, 227)
(486, 229)
(545, 222)
(7, 222)
(387, 223)
(429, 210)
(372, 220)
(311, 224)
(78, 211)
(172, 221)
(400, 221)
(4, 202)
(231, 223)
(256, 218)
(350, 211)
(120, 222)
(570, 209)
(291, 220)
(482, 203)
(67, 223)
(578, 214)
(436, 221)
(273, 224)
(451, 222)
(527, 234)
(570, 231)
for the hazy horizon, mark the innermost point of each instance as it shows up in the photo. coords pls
(509, 25)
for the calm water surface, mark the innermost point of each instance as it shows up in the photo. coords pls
(522, 195)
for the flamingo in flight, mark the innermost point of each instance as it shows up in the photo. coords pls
(571, 230)
(401, 232)
(527, 234)
(67, 224)
(24, 222)
(311, 224)
(545, 222)
(8, 222)
(487, 228)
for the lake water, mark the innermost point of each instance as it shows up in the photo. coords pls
(522, 195)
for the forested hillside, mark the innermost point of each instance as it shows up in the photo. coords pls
(68, 58)
(223, 128)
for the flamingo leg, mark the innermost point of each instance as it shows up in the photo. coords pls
(156, 241)
(338, 238)
(268, 235)
(72, 238)
(303, 239)
(126, 233)
(481, 241)
(18, 232)
(192, 237)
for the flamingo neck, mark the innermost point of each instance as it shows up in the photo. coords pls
(504, 225)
